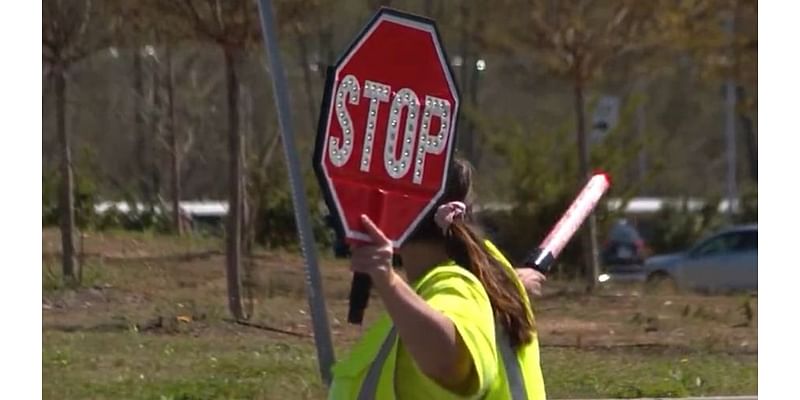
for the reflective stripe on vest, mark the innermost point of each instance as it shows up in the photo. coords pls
(369, 388)
(516, 383)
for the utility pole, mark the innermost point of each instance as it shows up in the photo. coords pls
(730, 126)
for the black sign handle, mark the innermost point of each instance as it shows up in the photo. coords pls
(359, 297)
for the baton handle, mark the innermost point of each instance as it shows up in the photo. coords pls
(540, 260)
(359, 297)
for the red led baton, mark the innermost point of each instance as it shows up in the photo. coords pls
(543, 257)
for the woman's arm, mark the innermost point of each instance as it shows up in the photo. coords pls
(429, 336)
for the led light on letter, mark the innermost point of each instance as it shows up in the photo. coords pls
(398, 167)
(434, 144)
(348, 91)
(377, 93)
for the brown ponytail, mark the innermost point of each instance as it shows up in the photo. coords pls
(465, 246)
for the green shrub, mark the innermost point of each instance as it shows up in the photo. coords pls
(748, 213)
(541, 178)
(269, 194)
(50, 198)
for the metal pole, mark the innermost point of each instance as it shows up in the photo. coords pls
(730, 129)
(730, 138)
(322, 335)
(641, 122)
(640, 127)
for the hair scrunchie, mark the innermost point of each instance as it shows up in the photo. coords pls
(449, 212)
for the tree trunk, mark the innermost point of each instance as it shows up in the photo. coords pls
(138, 121)
(247, 135)
(589, 232)
(752, 147)
(642, 156)
(749, 139)
(174, 150)
(466, 137)
(746, 122)
(233, 251)
(325, 37)
(155, 129)
(464, 75)
(247, 278)
(66, 199)
(302, 45)
(474, 142)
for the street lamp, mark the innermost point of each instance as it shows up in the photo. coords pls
(470, 80)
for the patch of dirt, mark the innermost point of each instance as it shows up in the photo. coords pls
(139, 280)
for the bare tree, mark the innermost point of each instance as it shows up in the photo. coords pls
(138, 116)
(174, 148)
(723, 52)
(71, 31)
(150, 29)
(231, 25)
(303, 19)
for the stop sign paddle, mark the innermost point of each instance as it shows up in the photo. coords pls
(387, 132)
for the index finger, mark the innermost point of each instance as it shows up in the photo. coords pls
(374, 232)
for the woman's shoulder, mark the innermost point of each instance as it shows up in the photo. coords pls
(496, 253)
(452, 276)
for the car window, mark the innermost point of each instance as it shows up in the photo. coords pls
(716, 245)
(624, 233)
(726, 243)
(746, 241)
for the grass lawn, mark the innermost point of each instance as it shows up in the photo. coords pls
(94, 365)
(150, 323)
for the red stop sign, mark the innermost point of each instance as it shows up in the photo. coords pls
(387, 127)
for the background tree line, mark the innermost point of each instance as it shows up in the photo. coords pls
(158, 101)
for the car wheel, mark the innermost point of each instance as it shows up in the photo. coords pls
(660, 282)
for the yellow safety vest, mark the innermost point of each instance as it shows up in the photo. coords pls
(378, 361)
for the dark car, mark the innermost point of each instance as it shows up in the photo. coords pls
(624, 250)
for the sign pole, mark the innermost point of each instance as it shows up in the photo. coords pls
(316, 301)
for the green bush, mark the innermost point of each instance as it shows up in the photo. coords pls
(50, 198)
(84, 195)
(748, 213)
(541, 176)
(676, 227)
(270, 196)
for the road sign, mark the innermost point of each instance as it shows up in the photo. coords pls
(387, 127)
(605, 118)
